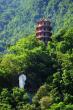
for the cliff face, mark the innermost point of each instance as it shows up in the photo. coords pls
(18, 17)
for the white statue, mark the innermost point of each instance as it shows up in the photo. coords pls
(22, 79)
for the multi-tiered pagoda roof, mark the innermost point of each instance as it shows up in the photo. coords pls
(43, 30)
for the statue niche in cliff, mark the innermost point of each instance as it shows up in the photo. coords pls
(22, 79)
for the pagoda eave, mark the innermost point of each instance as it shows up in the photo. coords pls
(42, 32)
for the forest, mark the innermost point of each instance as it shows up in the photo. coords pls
(18, 17)
(49, 69)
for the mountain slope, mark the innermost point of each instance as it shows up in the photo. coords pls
(18, 17)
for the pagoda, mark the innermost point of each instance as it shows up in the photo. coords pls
(43, 30)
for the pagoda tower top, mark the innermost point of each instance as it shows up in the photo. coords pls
(43, 30)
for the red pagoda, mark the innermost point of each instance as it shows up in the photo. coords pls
(43, 30)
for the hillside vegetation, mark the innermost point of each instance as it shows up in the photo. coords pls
(49, 72)
(49, 69)
(18, 17)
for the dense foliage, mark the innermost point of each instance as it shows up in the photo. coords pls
(18, 17)
(49, 69)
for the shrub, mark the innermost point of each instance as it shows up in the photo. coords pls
(4, 106)
(45, 102)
